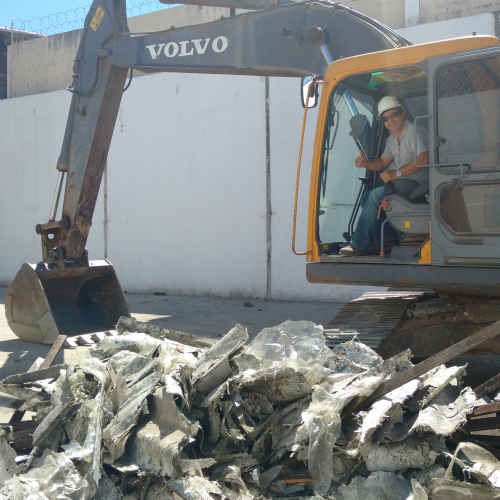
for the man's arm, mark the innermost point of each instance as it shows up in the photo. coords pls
(409, 168)
(376, 165)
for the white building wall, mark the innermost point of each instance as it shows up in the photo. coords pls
(186, 186)
(31, 132)
(481, 24)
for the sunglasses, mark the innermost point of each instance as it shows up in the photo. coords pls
(391, 115)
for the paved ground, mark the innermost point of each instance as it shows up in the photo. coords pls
(203, 316)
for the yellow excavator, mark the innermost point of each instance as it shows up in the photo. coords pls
(448, 228)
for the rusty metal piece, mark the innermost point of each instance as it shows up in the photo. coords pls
(483, 424)
(485, 409)
(489, 386)
(43, 303)
(64, 223)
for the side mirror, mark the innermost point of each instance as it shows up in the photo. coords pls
(309, 91)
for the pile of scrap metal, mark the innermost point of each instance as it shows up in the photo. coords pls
(142, 416)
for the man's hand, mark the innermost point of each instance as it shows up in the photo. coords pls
(389, 175)
(360, 160)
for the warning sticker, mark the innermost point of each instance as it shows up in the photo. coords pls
(96, 20)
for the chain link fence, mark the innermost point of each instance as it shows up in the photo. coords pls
(73, 19)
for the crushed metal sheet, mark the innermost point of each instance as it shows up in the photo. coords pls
(443, 415)
(383, 408)
(354, 357)
(261, 422)
(447, 489)
(133, 403)
(7, 460)
(158, 442)
(33, 376)
(157, 332)
(283, 386)
(294, 344)
(411, 453)
(196, 465)
(213, 368)
(53, 477)
(195, 487)
(64, 404)
(140, 343)
(432, 383)
(322, 423)
(377, 486)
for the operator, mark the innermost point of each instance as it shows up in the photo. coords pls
(400, 150)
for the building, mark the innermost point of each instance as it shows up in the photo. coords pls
(9, 36)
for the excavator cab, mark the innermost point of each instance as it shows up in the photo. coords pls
(449, 228)
(353, 125)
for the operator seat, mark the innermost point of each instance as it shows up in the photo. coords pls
(411, 215)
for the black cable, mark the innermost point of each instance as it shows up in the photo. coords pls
(70, 88)
(130, 79)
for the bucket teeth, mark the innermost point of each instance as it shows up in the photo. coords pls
(88, 339)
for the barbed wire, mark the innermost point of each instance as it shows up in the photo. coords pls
(70, 20)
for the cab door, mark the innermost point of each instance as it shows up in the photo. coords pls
(464, 124)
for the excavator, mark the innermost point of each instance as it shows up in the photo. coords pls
(449, 228)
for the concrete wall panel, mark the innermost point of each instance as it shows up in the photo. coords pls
(440, 10)
(30, 142)
(389, 12)
(186, 186)
(482, 24)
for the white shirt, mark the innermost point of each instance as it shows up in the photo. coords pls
(402, 151)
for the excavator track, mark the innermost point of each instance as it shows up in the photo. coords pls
(372, 317)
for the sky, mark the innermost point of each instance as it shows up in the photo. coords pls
(28, 9)
(24, 10)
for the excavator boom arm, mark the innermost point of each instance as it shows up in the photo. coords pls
(278, 41)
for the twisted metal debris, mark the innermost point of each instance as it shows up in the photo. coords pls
(154, 418)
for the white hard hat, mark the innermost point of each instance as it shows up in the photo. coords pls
(388, 102)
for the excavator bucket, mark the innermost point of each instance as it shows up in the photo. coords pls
(43, 303)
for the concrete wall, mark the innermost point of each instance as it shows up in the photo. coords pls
(482, 24)
(440, 10)
(7, 37)
(30, 142)
(390, 12)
